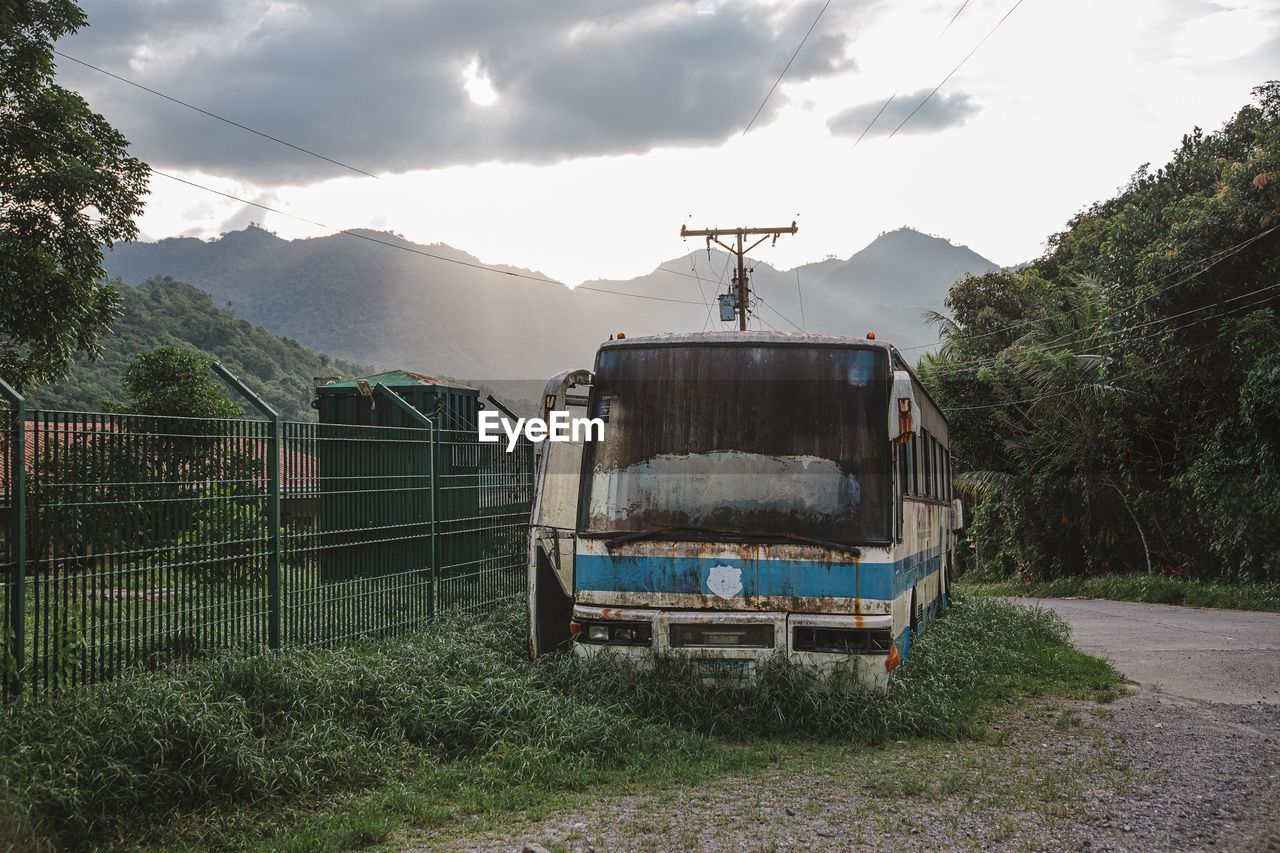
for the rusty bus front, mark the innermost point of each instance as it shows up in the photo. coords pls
(742, 503)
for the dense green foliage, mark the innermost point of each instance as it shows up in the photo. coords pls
(67, 188)
(1151, 589)
(174, 382)
(457, 720)
(1113, 405)
(164, 312)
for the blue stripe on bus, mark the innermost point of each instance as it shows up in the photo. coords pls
(809, 578)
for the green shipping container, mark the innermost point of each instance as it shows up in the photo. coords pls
(344, 402)
(377, 474)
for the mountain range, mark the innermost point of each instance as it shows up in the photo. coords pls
(369, 303)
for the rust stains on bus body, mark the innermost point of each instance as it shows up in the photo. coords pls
(678, 577)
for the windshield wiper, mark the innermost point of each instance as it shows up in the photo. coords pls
(823, 543)
(695, 528)
(658, 531)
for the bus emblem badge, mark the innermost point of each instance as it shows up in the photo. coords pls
(725, 581)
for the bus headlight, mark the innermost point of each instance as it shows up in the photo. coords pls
(847, 641)
(616, 633)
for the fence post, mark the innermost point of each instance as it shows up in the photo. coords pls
(274, 441)
(421, 420)
(17, 580)
(435, 508)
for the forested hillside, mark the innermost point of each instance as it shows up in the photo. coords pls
(1116, 404)
(163, 311)
(373, 303)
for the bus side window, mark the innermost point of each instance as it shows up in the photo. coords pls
(928, 466)
(937, 470)
(915, 465)
(904, 468)
(946, 476)
(937, 474)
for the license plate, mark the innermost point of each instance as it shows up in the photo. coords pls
(723, 668)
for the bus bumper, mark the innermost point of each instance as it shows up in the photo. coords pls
(735, 643)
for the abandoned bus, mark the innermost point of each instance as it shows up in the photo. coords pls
(754, 494)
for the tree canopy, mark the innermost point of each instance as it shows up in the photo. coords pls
(68, 187)
(175, 382)
(1113, 404)
(164, 312)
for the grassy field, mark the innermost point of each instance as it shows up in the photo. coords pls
(1157, 589)
(341, 748)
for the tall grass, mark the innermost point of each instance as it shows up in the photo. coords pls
(1152, 589)
(135, 760)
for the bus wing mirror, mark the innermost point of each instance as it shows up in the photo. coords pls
(902, 409)
(957, 514)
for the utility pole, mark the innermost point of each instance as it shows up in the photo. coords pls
(741, 287)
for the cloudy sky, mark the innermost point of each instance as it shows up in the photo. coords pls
(576, 136)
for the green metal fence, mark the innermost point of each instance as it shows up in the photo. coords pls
(154, 540)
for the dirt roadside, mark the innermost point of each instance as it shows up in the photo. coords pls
(1156, 770)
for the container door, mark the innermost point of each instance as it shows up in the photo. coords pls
(554, 520)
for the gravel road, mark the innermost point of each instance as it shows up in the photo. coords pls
(1189, 652)
(1189, 761)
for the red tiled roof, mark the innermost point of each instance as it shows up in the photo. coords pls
(298, 469)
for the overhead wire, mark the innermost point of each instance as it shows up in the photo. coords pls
(977, 364)
(723, 271)
(951, 73)
(800, 295)
(316, 223)
(1037, 398)
(404, 248)
(893, 96)
(1162, 330)
(787, 67)
(348, 232)
(693, 264)
(414, 250)
(762, 301)
(1208, 263)
(216, 116)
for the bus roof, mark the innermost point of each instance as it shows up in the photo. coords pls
(753, 336)
(762, 336)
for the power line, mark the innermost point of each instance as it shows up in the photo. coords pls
(800, 294)
(760, 299)
(214, 115)
(719, 283)
(411, 249)
(785, 68)
(339, 163)
(949, 23)
(891, 98)
(975, 364)
(1209, 262)
(693, 265)
(1050, 395)
(929, 96)
(414, 250)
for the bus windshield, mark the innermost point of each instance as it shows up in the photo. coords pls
(763, 441)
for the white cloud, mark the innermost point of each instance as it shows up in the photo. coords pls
(638, 126)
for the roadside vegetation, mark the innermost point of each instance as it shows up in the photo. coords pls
(1114, 404)
(1156, 589)
(162, 314)
(458, 725)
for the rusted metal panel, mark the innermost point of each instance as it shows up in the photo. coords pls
(691, 439)
(769, 576)
(792, 604)
(870, 668)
